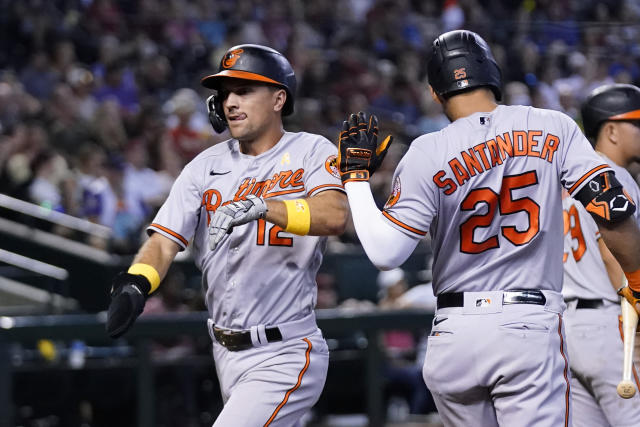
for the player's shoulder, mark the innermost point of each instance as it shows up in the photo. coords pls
(310, 139)
(220, 149)
(549, 116)
(623, 175)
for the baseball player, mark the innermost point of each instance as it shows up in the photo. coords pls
(611, 116)
(488, 190)
(254, 209)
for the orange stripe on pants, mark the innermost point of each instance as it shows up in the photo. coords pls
(295, 387)
(566, 370)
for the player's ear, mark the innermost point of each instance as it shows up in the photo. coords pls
(435, 96)
(279, 98)
(610, 132)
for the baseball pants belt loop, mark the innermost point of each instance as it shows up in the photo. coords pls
(258, 335)
(520, 296)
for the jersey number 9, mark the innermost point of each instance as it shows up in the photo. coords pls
(572, 222)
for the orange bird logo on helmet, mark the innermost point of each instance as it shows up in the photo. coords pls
(231, 58)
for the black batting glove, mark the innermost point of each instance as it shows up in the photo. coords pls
(360, 154)
(128, 295)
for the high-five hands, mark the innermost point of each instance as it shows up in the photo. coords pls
(360, 154)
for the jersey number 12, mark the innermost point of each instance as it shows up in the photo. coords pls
(274, 235)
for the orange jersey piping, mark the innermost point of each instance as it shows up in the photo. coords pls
(585, 176)
(172, 233)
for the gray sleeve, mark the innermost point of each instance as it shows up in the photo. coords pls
(178, 216)
(321, 169)
(413, 202)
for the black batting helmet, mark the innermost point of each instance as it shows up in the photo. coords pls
(258, 63)
(610, 102)
(461, 60)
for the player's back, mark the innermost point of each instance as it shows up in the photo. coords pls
(492, 197)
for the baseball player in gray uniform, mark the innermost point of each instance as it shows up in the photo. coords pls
(253, 208)
(611, 116)
(488, 190)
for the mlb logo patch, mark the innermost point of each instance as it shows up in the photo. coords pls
(462, 84)
(483, 302)
(485, 120)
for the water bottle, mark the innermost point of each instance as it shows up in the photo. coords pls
(77, 354)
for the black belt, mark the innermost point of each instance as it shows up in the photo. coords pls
(520, 296)
(589, 303)
(241, 340)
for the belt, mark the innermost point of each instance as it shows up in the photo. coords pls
(589, 303)
(521, 296)
(241, 340)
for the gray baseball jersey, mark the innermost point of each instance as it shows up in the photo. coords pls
(585, 275)
(488, 189)
(489, 196)
(260, 274)
(594, 335)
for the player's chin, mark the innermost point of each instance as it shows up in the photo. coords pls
(237, 129)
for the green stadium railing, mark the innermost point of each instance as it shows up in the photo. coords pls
(333, 322)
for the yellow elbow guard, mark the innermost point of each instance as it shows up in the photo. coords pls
(298, 216)
(150, 273)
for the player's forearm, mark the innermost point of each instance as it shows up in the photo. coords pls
(385, 246)
(158, 252)
(329, 213)
(614, 271)
(623, 240)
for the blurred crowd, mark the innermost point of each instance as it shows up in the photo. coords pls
(101, 107)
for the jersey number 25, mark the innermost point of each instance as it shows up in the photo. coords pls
(505, 204)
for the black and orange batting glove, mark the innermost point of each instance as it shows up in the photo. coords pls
(360, 154)
(632, 296)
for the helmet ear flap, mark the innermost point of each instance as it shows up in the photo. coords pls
(216, 114)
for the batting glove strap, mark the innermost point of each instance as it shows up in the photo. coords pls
(358, 175)
(128, 296)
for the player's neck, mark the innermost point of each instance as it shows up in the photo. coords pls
(613, 153)
(466, 104)
(262, 143)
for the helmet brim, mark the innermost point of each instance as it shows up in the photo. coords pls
(213, 81)
(629, 115)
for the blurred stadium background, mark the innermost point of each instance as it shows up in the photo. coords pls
(100, 108)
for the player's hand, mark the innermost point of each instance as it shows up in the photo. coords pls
(128, 295)
(360, 154)
(632, 296)
(236, 213)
